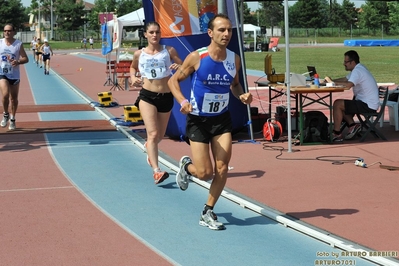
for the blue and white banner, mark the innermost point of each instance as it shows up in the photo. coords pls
(106, 47)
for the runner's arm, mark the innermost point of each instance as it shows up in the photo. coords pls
(236, 87)
(190, 64)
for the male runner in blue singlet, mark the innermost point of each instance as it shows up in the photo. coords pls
(215, 73)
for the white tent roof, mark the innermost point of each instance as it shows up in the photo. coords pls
(134, 18)
(250, 27)
(255, 30)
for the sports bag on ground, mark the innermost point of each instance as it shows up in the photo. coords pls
(315, 127)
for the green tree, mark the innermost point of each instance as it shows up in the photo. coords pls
(70, 14)
(249, 18)
(325, 9)
(272, 14)
(293, 13)
(350, 15)
(309, 14)
(393, 8)
(334, 19)
(374, 15)
(12, 11)
(124, 7)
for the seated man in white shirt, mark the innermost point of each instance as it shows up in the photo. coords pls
(365, 91)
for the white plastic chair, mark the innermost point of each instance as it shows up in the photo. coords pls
(393, 111)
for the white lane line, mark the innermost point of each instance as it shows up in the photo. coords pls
(35, 189)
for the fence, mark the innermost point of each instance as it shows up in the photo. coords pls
(353, 32)
(69, 36)
(25, 36)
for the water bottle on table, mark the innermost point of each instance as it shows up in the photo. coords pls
(316, 80)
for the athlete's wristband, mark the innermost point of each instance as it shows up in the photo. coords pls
(183, 102)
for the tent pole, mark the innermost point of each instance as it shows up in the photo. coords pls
(109, 68)
(287, 74)
(222, 7)
(243, 67)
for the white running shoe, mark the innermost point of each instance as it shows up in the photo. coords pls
(12, 124)
(182, 176)
(5, 119)
(210, 220)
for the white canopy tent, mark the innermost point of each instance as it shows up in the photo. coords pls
(135, 18)
(255, 30)
(115, 26)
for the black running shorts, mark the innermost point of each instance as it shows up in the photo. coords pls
(11, 81)
(46, 57)
(162, 101)
(204, 128)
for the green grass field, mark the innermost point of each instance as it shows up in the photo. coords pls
(381, 61)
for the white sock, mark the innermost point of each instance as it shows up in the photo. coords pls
(157, 170)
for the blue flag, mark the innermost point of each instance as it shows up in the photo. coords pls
(106, 47)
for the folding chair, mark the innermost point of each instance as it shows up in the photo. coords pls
(370, 120)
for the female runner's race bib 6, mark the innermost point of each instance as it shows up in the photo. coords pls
(214, 103)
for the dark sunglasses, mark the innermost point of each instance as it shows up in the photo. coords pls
(8, 30)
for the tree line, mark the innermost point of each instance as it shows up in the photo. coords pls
(310, 14)
(69, 15)
(318, 14)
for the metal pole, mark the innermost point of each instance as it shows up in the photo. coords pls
(51, 20)
(84, 28)
(39, 23)
(243, 67)
(222, 7)
(287, 74)
(351, 31)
